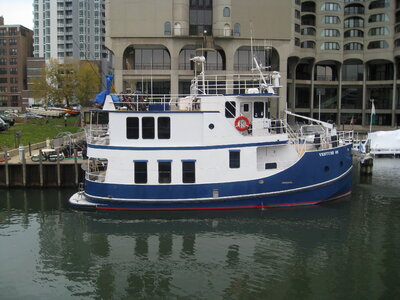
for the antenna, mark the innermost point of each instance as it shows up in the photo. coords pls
(251, 44)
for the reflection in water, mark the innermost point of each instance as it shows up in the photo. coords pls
(348, 250)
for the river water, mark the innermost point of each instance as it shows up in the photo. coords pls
(343, 250)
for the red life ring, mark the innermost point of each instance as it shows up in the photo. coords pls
(239, 123)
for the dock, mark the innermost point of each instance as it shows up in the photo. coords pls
(18, 170)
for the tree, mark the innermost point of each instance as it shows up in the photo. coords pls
(67, 82)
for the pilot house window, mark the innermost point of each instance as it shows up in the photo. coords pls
(132, 128)
(164, 128)
(148, 128)
(230, 109)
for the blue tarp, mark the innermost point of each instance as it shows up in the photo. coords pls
(101, 97)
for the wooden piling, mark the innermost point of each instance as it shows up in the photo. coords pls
(58, 168)
(23, 160)
(41, 167)
(6, 170)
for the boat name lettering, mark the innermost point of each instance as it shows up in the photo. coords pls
(329, 153)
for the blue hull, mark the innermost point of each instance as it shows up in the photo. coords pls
(317, 177)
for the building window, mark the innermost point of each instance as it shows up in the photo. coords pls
(227, 12)
(378, 45)
(353, 33)
(354, 22)
(308, 31)
(353, 72)
(378, 18)
(236, 29)
(146, 59)
(378, 31)
(353, 46)
(3, 101)
(234, 159)
(14, 101)
(330, 33)
(200, 17)
(330, 46)
(148, 128)
(188, 171)
(379, 4)
(167, 28)
(330, 6)
(164, 172)
(140, 171)
(164, 127)
(132, 128)
(330, 20)
(230, 109)
(308, 44)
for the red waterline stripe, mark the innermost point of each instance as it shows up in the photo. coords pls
(223, 208)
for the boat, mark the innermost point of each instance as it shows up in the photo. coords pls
(225, 146)
(52, 111)
(385, 143)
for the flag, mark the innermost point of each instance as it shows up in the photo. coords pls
(373, 113)
(352, 120)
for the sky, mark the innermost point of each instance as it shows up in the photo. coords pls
(17, 12)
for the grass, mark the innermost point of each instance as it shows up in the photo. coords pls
(35, 131)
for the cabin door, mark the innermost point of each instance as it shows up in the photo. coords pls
(246, 109)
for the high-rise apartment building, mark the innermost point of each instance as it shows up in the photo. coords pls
(71, 28)
(335, 57)
(66, 28)
(15, 47)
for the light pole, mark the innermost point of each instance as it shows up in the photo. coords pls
(319, 105)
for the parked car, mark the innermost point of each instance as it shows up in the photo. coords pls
(3, 125)
(9, 120)
(29, 115)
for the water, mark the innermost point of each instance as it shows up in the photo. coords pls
(345, 250)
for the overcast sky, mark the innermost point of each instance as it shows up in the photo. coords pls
(17, 12)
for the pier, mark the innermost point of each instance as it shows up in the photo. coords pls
(18, 170)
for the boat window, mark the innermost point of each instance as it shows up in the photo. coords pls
(258, 109)
(245, 107)
(266, 110)
(230, 109)
(148, 128)
(270, 166)
(164, 172)
(188, 172)
(132, 128)
(234, 159)
(140, 171)
(164, 128)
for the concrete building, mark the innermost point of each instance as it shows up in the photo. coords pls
(15, 47)
(66, 28)
(335, 57)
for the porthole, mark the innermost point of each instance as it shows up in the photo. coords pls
(326, 169)
(211, 126)
(341, 163)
